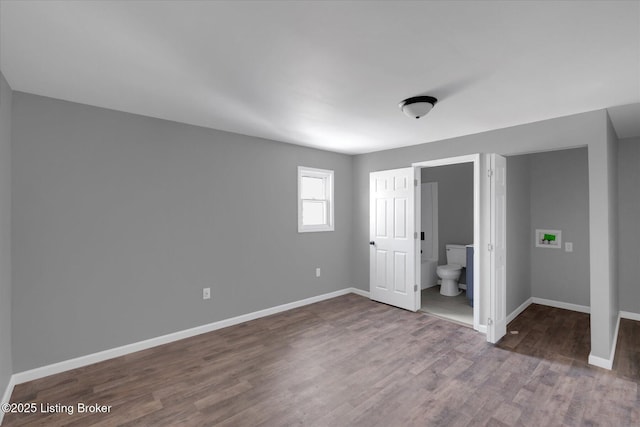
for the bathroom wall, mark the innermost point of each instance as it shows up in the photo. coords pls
(6, 365)
(455, 204)
(518, 231)
(560, 200)
(629, 225)
(120, 220)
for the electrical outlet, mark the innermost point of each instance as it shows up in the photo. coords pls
(206, 293)
(318, 272)
(568, 247)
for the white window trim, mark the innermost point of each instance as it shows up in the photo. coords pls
(316, 173)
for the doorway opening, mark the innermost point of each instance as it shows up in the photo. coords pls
(447, 237)
(549, 276)
(395, 228)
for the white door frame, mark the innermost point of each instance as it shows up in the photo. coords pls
(477, 292)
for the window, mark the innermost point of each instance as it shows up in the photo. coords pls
(315, 199)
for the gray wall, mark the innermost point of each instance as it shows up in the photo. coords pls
(548, 190)
(629, 224)
(6, 368)
(518, 231)
(586, 129)
(455, 205)
(564, 132)
(120, 220)
(560, 200)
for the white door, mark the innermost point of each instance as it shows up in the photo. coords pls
(392, 275)
(497, 327)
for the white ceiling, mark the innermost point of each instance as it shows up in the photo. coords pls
(331, 74)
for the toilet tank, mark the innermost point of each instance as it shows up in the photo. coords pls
(457, 254)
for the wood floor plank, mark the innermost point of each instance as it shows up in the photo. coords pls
(349, 361)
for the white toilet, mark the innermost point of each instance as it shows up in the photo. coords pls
(450, 273)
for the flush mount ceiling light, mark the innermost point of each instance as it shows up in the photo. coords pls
(417, 106)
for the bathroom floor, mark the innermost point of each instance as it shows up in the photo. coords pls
(456, 309)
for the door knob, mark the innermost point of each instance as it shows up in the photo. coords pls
(372, 243)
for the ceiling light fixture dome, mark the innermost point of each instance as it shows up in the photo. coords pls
(417, 106)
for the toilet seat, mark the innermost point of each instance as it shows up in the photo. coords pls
(450, 267)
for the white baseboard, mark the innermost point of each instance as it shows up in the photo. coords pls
(629, 315)
(608, 363)
(66, 365)
(360, 292)
(22, 377)
(560, 304)
(515, 313)
(600, 362)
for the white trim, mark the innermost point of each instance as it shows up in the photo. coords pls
(607, 363)
(66, 365)
(629, 315)
(600, 362)
(478, 267)
(327, 176)
(560, 304)
(447, 161)
(515, 313)
(360, 292)
(482, 328)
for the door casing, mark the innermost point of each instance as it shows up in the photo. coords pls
(488, 291)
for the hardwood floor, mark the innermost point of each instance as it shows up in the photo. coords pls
(550, 332)
(348, 361)
(627, 361)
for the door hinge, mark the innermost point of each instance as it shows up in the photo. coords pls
(415, 182)
(415, 288)
(490, 247)
(490, 173)
(415, 234)
(489, 321)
